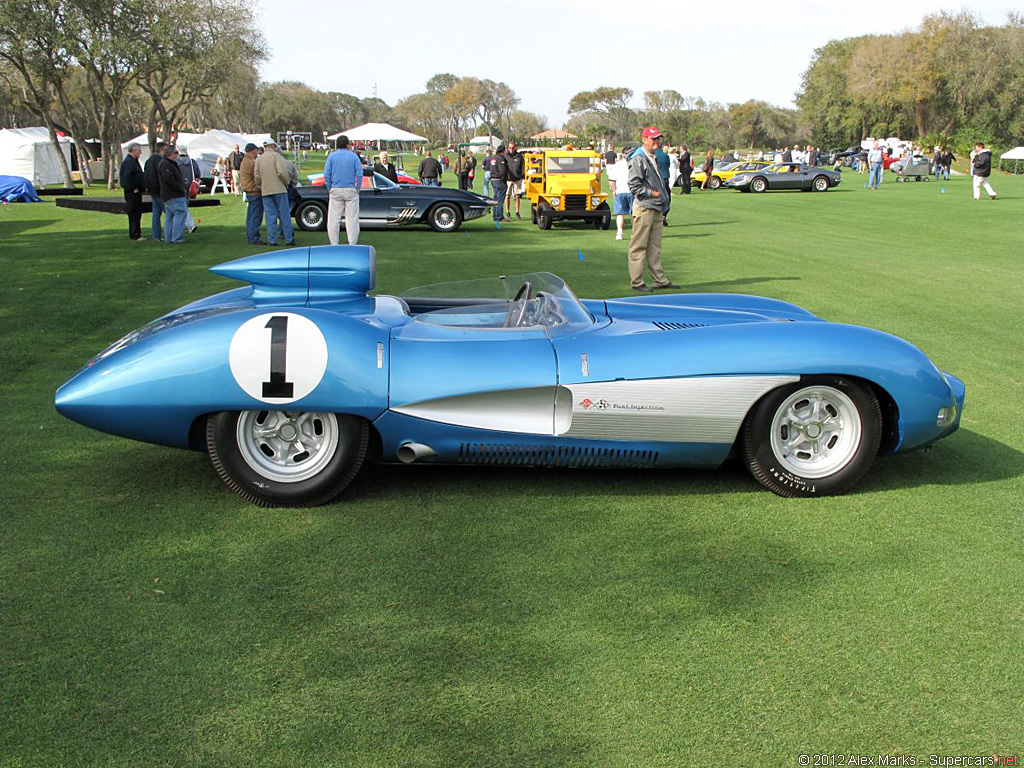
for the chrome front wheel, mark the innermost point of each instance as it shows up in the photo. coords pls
(813, 438)
(816, 432)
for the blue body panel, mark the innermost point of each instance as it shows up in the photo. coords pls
(158, 382)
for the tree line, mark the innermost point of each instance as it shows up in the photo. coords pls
(605, 113)
(99, 67)
(952, 81)
(111, 68)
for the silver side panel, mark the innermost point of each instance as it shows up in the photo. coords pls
(705, 409)
(529, 411)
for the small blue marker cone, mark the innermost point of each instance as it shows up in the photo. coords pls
(943, 190)
(497, 224)
(581, 254)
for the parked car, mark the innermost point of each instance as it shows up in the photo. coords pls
(382, 203)
(725, 171)
(809, 178)
(293, 381)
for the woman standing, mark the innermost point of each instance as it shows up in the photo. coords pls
(708, 168)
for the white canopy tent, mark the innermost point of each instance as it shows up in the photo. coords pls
(377, 132)
(1016, 154)
(481, 143)
(204, 148)
(27, 152)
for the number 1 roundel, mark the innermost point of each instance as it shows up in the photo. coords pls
(278, 357)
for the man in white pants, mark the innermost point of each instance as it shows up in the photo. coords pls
(343, 176)
(981, 168)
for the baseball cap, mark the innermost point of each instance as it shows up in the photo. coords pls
(650, 132)
(250, 147)
(270, 143)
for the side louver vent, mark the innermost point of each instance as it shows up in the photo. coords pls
(678, 326)
(554, 456)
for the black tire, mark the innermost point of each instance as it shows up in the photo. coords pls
(758, 184)
(444, 217)
(851, 449)
(714, 182)
(543, 215)
(533, 214)
(605, 219)
(335, 467)
(311, 216)
(820, 184)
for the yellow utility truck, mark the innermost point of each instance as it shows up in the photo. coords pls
(566, 184)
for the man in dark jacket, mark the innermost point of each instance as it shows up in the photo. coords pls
(172, 193)
(429, 171)
(499, 180)
(516, 164)
(153, 187)
(133, 182)
(981, 168)
(385, 168)
(685, 169)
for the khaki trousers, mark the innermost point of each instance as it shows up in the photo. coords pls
(645, 245)
(344, 201)
(236, 182)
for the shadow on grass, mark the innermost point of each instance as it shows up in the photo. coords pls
(672, 224)
(963, 458)
(717, 285)
(15, 228)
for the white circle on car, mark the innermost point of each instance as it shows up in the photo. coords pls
(278, 357)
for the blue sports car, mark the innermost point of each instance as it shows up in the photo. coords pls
(293, 381)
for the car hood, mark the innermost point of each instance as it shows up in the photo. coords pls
(696, 310)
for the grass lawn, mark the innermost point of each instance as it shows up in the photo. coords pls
(447, 616)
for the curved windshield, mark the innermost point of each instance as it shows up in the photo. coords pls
(536, 300)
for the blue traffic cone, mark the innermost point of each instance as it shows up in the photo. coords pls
(581, 254)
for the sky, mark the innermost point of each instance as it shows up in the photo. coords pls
(548, 53)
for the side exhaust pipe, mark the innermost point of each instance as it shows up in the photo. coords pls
(409, 452)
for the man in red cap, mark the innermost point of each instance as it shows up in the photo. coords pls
(650, 204)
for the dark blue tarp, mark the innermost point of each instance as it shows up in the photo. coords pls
(14, 189)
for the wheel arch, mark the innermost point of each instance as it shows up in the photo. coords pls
(886, 402)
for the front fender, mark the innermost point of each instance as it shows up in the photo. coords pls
(918, 389)
(154, 389)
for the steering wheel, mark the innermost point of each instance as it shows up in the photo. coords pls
(522, 294)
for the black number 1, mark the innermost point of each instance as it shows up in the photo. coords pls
(278, 386)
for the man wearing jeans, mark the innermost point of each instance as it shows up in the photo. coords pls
(153, 187)
(172, 193)
(253, 198)
(875, 158)
(343, 176)
(430, 171)
(272, 176)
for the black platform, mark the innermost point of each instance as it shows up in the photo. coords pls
(54, 191)
(116, 204)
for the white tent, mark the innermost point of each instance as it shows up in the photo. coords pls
(27, 152)
(481, 143)
(377, 132)
(204, 148)
(1016, 154)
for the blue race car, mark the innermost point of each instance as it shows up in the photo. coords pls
(289, 381)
